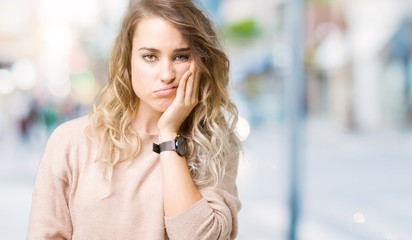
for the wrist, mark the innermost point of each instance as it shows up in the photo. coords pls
(177, 144)
(167, 136)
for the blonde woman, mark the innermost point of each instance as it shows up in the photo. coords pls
(157, 157)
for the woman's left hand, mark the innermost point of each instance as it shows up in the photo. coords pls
(187, 97)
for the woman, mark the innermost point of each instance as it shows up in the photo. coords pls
(157, 157)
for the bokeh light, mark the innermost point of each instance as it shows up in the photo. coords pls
(83, 85)
(243, 128)
(6, 82)
(359, 217)
(58, 80)
(24, 74)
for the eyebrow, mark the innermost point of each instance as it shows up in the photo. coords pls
(157, 50)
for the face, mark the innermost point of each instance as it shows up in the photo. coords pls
(160, 57)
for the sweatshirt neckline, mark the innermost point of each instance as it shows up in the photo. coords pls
(148, 135)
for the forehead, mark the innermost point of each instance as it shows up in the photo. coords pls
(158, 33)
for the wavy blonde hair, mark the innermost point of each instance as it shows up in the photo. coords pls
(209, 129)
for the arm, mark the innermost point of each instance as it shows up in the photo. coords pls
(50, 215)
(214, 216)
(179, 191)
(192, 213)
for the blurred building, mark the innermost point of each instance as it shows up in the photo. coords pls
(346, 71)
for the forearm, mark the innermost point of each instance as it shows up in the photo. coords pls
(179, 191)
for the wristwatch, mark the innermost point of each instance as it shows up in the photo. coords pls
(178, 145)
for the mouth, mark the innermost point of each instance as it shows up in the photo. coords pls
(166, 91)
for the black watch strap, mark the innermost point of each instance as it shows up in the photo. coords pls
(178, 145)
(164, 146)
(167, 146)
(156, 148)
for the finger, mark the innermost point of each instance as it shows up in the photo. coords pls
(181, 90)
(192, 66)
(189, 89)
(195, 92)
(185, 91)
(194, 83)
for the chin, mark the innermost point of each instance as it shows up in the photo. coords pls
(162, 110)
(165, 105)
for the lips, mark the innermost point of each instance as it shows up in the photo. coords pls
(166, 91)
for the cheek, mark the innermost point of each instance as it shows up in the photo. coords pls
(142, 75)
(181, 68)
(138, 78)
(138, 72)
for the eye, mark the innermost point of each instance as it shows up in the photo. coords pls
(149, 57)
(182, 57)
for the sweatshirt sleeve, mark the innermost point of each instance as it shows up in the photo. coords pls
(50, 215)
(214, 217)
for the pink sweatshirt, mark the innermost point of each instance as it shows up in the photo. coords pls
(73, 200)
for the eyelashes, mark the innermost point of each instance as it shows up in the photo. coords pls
(153, 58)
(182, 57)
(149, 57)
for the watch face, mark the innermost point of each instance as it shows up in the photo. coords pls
(180, 146)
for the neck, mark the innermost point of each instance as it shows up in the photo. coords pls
(145, 121)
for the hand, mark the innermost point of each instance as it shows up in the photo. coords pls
(187, 97)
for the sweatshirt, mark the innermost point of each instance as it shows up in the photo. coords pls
(73, 200)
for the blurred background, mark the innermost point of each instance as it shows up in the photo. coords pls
(323, 87)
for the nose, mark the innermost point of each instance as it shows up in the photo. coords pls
(168, 73)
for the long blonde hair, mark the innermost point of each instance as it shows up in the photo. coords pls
(209, 129)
